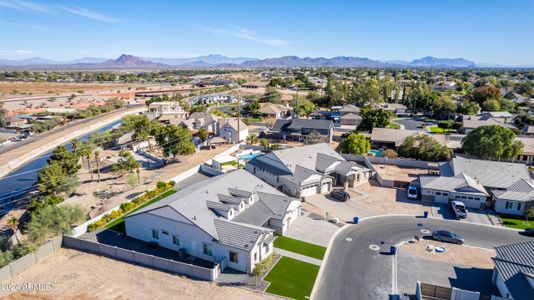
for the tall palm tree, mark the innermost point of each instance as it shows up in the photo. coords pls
(138, 171)
(97, 160)
(88, 157)
(14, 222)
(75, 146)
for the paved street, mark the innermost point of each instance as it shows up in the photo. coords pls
(358, 265)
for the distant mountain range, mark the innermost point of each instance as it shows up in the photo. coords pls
(218, 61)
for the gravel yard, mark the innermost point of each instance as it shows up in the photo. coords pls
(78, 275)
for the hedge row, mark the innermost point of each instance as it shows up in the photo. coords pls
(128, 206)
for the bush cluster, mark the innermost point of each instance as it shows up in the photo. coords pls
(128, 206)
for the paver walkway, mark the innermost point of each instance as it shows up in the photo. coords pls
(297, 256)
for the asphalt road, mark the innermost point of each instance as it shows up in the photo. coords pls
(353, 270)
(410, 124)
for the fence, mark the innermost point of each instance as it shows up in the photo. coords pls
(23, 263)
(434, 291)
(142, 259)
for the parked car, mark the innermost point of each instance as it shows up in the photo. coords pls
(340, 195)
(334, 220)
(529, 231)
(412, 192)
(447, 236)
(458, 207)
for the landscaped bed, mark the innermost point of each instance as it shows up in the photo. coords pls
(516, 222)
(292, 278)
(118, 224)
(300, 247)
(435, 129)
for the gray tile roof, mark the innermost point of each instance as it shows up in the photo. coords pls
(515, 263)
(305, 156)
(491, 174)
(390, 135)
(522, 190)
(281, 124)
(239, 193)
(459, 183)
(239, 235)
(350, 116)
(277, 204)
(230, 199)
(300, 175)
(324, 161)
(256, 214)
(346, 167)
(310, 123)
(349, 108)
(219, 206)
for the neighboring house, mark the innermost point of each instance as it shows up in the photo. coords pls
(527, 154)
(515, 199)
(274, 111)
(254, 85)
(159, 109)
(390, 137)
(308, 170)
(473, 181)
(229, 130)
(461, 187)
(229, 219)
(15, 122)
(216, 98)
(198, 120)
(303, 130)
(514, 271)
(528, 130)
(395, 108)
(471, 123)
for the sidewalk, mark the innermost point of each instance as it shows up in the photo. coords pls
(297, 256)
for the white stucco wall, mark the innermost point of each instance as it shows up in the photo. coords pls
(500, 207)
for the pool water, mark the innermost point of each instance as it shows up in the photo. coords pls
(377, 153)
(249, 156)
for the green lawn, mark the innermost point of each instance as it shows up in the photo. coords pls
(118, 224)
(393, 125)
(300, 247)
(435, 129)
(516, 223)
(292, 278)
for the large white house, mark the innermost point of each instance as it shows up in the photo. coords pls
(228, 219)
(229, 130)
(308, 170)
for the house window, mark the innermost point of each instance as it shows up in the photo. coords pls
(206, 249)
(255, 256)
(233, 257)
(438, 193)
(155, 234)
(164, 231)
(176, 240)
(470, 198)
(508, 205)
(230, 213)
(519, 206)
(266, 248)
(445, 194)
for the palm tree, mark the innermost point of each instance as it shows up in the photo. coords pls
(138, 171)
(97, 160)
(14, 222)
(75, 146)
(88, 157)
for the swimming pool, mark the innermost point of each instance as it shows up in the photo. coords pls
(249, 156)
(377, 153)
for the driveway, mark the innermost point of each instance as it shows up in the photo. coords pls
(479, 216)
(410, 124)
(358, 264)
(311, 228)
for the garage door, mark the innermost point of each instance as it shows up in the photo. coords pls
(441, 197)
(470, 203)
(308, 191)
(326, 187)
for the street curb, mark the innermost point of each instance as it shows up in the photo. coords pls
(325, 260)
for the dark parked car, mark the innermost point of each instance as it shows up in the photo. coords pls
(529, 231)
(340, 195)
(447, 236)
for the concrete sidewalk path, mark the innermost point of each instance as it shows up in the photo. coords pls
(304, 258)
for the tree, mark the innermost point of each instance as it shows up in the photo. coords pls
(125, 164)
(443, 107)
(66, 159)
(356, 144)
(53, 220)
(174, 140)
(390, 153)
(468, 108)
(372, 118)
(368, 92)
(492, 142)
(203, 134)
(253, 107)
(53, 180)
(37, 203)
(2, 115)
(14, 223)
(529, 213)
(424, 147)
(272, 95)
(97, 161)
(302, 107)
(485, 93)
(491, 105)
(252, 139)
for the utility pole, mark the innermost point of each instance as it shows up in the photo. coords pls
(238, 115)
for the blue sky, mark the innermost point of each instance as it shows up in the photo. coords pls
(484, 31)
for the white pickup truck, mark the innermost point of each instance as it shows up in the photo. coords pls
(458, 207)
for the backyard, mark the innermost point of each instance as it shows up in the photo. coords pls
(292, 278)
(118, 224)
(300, 247)
(516, 223)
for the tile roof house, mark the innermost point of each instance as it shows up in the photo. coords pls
(275, 111)
(198, 120)
(303, 130)
(515, 199)
(514, 271)
(215, 98)
(229, 130)
(159, 109)
(485, 119)
(473, 181)
(229, 219)
(308, 170)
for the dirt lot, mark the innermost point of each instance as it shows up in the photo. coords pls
(455, 254)
(78, 275)
(9, 89)
(391, 172)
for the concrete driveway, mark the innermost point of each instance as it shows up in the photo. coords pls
(486, 217)
(311, 228)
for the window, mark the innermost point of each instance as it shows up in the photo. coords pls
(255, 256)
(519, 206)
(230, 212)
(206, 249)
(164, 231)
(445, 194)
(438, 193)
(266, 248)
(176, 240)
(464, 197)
(508, 205)
(155, 234)
(470, 198)
(233, 256)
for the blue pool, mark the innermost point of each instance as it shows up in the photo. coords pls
(377, 153)
(249, 156)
